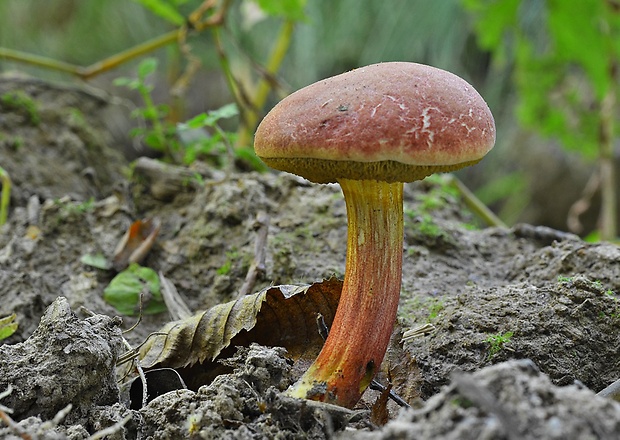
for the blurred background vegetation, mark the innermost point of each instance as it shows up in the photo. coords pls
(547, 68)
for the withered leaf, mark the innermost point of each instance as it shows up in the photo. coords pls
(136, 243)
(379, 414)
(276, 316)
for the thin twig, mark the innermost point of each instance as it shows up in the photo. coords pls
(136, 364)
(257, 268)
(130, 354)
(115, 60)
(177, 308)
(110, 429)
(475, 204)
(265, 84)
(140, 314)
(14, 426)
(583, 203)
(145, 391)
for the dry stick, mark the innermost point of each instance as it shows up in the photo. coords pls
(193, 64)
(8, 421)
(475, 205)
(133, 352)
(195, 17)
(177, 308)
(265, 84)
(196, 23)
(611, 391)
(14, 426)
(57, 420)
(374, 385)
(257, 268)
(608, 216)
(110, 429)
(237, 90)
(215, 20)
(583, 204)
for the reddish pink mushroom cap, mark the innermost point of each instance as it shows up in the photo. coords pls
(392, 121)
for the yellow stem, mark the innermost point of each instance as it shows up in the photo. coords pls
(96, 68)
(366, 313)
(265, 85)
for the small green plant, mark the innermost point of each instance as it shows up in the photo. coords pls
(423, 225)
(12, 142)
(6, 195)
(154, 135)
(135, 289)
(563, 279)
(201, 137)
(20, 101)
(497, 342)
(441, 194)
(435, 307)
(79, 208)
(428, 227)
(8, 326)
(225, 268)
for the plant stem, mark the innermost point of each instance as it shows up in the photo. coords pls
(475, 204)
(97, 68)
(129, 54)
(609, 218)
(6, 195)
(365, 317)
(152, 113)
(265, 84)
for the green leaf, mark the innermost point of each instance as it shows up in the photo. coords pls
(227, 111)
(562, 56)
(196, 122)
(154, 141)
(164, 9)
(130, 83)
(210, 119)
(289, 9)
(147, 67)
(577, 29)
(247, 154)
(98, 261)
(494, 20)
(7, 326)
(123, 292)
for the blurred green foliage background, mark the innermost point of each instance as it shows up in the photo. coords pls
(547, 68)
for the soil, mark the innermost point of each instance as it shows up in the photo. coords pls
(521, 324)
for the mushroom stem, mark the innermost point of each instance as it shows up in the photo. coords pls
(365, 317)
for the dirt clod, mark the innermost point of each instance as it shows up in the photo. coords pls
(511, 400)
(66, 361)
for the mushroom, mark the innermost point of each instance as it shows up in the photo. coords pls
(371, 130)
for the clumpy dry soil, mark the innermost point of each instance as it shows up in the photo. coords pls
(521, 324)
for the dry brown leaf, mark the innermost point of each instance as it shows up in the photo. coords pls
(282, 316)
(403, 370)
(136, 243)
(379, 414)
